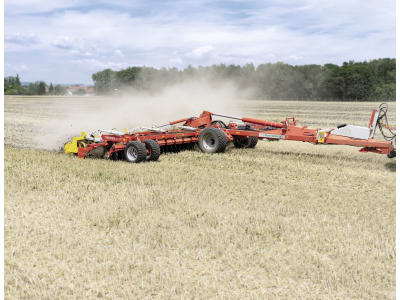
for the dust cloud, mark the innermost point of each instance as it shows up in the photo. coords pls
(132, 108)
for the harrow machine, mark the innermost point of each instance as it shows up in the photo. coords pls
(212, 136)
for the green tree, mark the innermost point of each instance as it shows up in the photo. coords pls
(17, 81)
(12, 86)
(32, 88)
(41, 89)
(361, 81)
(60, 90)
(51, 89)
(126, 77)
(104, 81)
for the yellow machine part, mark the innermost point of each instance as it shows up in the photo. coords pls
(72, 147)
(321, 135)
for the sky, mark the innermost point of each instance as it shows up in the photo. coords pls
(62, 41)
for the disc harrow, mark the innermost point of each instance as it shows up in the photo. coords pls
(212, 135)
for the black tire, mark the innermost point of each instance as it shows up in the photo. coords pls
(212, 140)
(152, 150)
(240, 142)
(245, 142)
(117, 156)
(114, 156)
(253, 140)
(391, 154)
(135, 152)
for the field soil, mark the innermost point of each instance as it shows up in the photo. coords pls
(286, 220)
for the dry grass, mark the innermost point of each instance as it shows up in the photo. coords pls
(286, 220)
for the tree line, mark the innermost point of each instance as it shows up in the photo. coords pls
(352, 81)
(13, 86)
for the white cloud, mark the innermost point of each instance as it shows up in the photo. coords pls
(21, 39)
(119, 53)
(37, 6)
(201, 51)
(64, 42)
(94, 63)
(292, 58)
(177, 61)
(80, 47)
(18, 68)
(180, 33)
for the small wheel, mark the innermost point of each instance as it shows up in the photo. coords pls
(117, 156)
(240, 142)
(152, 150)
(212, 140)
(391, 154)
(253, 140)
(114, 156)
(245, 142)
(135, 152)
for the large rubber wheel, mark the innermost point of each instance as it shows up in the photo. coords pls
(212, 140)
(135, 152)
(245, 142)
(152, 150)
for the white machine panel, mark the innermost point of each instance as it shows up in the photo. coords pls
(271, 136)
(353, 131)
(373, 126)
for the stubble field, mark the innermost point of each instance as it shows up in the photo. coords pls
(285, 220)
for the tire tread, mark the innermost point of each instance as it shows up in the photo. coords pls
(155, 150)
(219, 136)
(141, 151)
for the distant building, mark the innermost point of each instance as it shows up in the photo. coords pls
(73, 88)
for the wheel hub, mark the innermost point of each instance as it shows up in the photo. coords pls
(131, 153)
(209, 142)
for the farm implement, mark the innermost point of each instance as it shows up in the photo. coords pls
(212, 135)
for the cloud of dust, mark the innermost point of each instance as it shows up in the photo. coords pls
(133, 109)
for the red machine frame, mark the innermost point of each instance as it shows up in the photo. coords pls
(192, 128)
